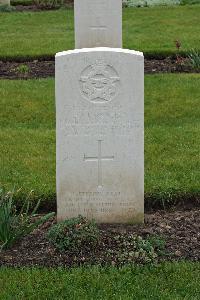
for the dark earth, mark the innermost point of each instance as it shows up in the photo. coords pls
(45, 5)
(46, 68)
(33, 8)
(179, 229)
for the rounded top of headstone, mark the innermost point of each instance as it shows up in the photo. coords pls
(100, 49)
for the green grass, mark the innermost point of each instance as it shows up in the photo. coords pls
(151, 30)
(27, 135)
(166, 281)
(27, 122)
(172, 129)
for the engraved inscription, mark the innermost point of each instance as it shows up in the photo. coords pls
(99, 83)
(99, 202)
(97, 8)
(99, 158)
(98, 35)
(126, 129)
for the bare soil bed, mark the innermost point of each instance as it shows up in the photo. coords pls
(33, 8)
(43, 6)
(46, 68)
(180, 230)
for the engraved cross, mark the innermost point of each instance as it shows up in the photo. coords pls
(99, 158)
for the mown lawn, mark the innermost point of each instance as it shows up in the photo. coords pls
(151, 30)
(166, 281)
(172, 111)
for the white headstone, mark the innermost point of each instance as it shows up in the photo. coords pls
(98, 23)
(4, 2)
(100, 110)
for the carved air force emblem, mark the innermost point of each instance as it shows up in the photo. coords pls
(99, 82)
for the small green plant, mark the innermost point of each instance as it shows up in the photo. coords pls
(194, 59)
(189, 2)
(13, 224)
(149, 3)
(158, 243)
(23, 69)
(6, 8)
(74, 235)
(21, 2)
(134, 249)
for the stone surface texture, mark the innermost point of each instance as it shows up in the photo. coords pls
(98, 23)
(4, 2)
(100, 132)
